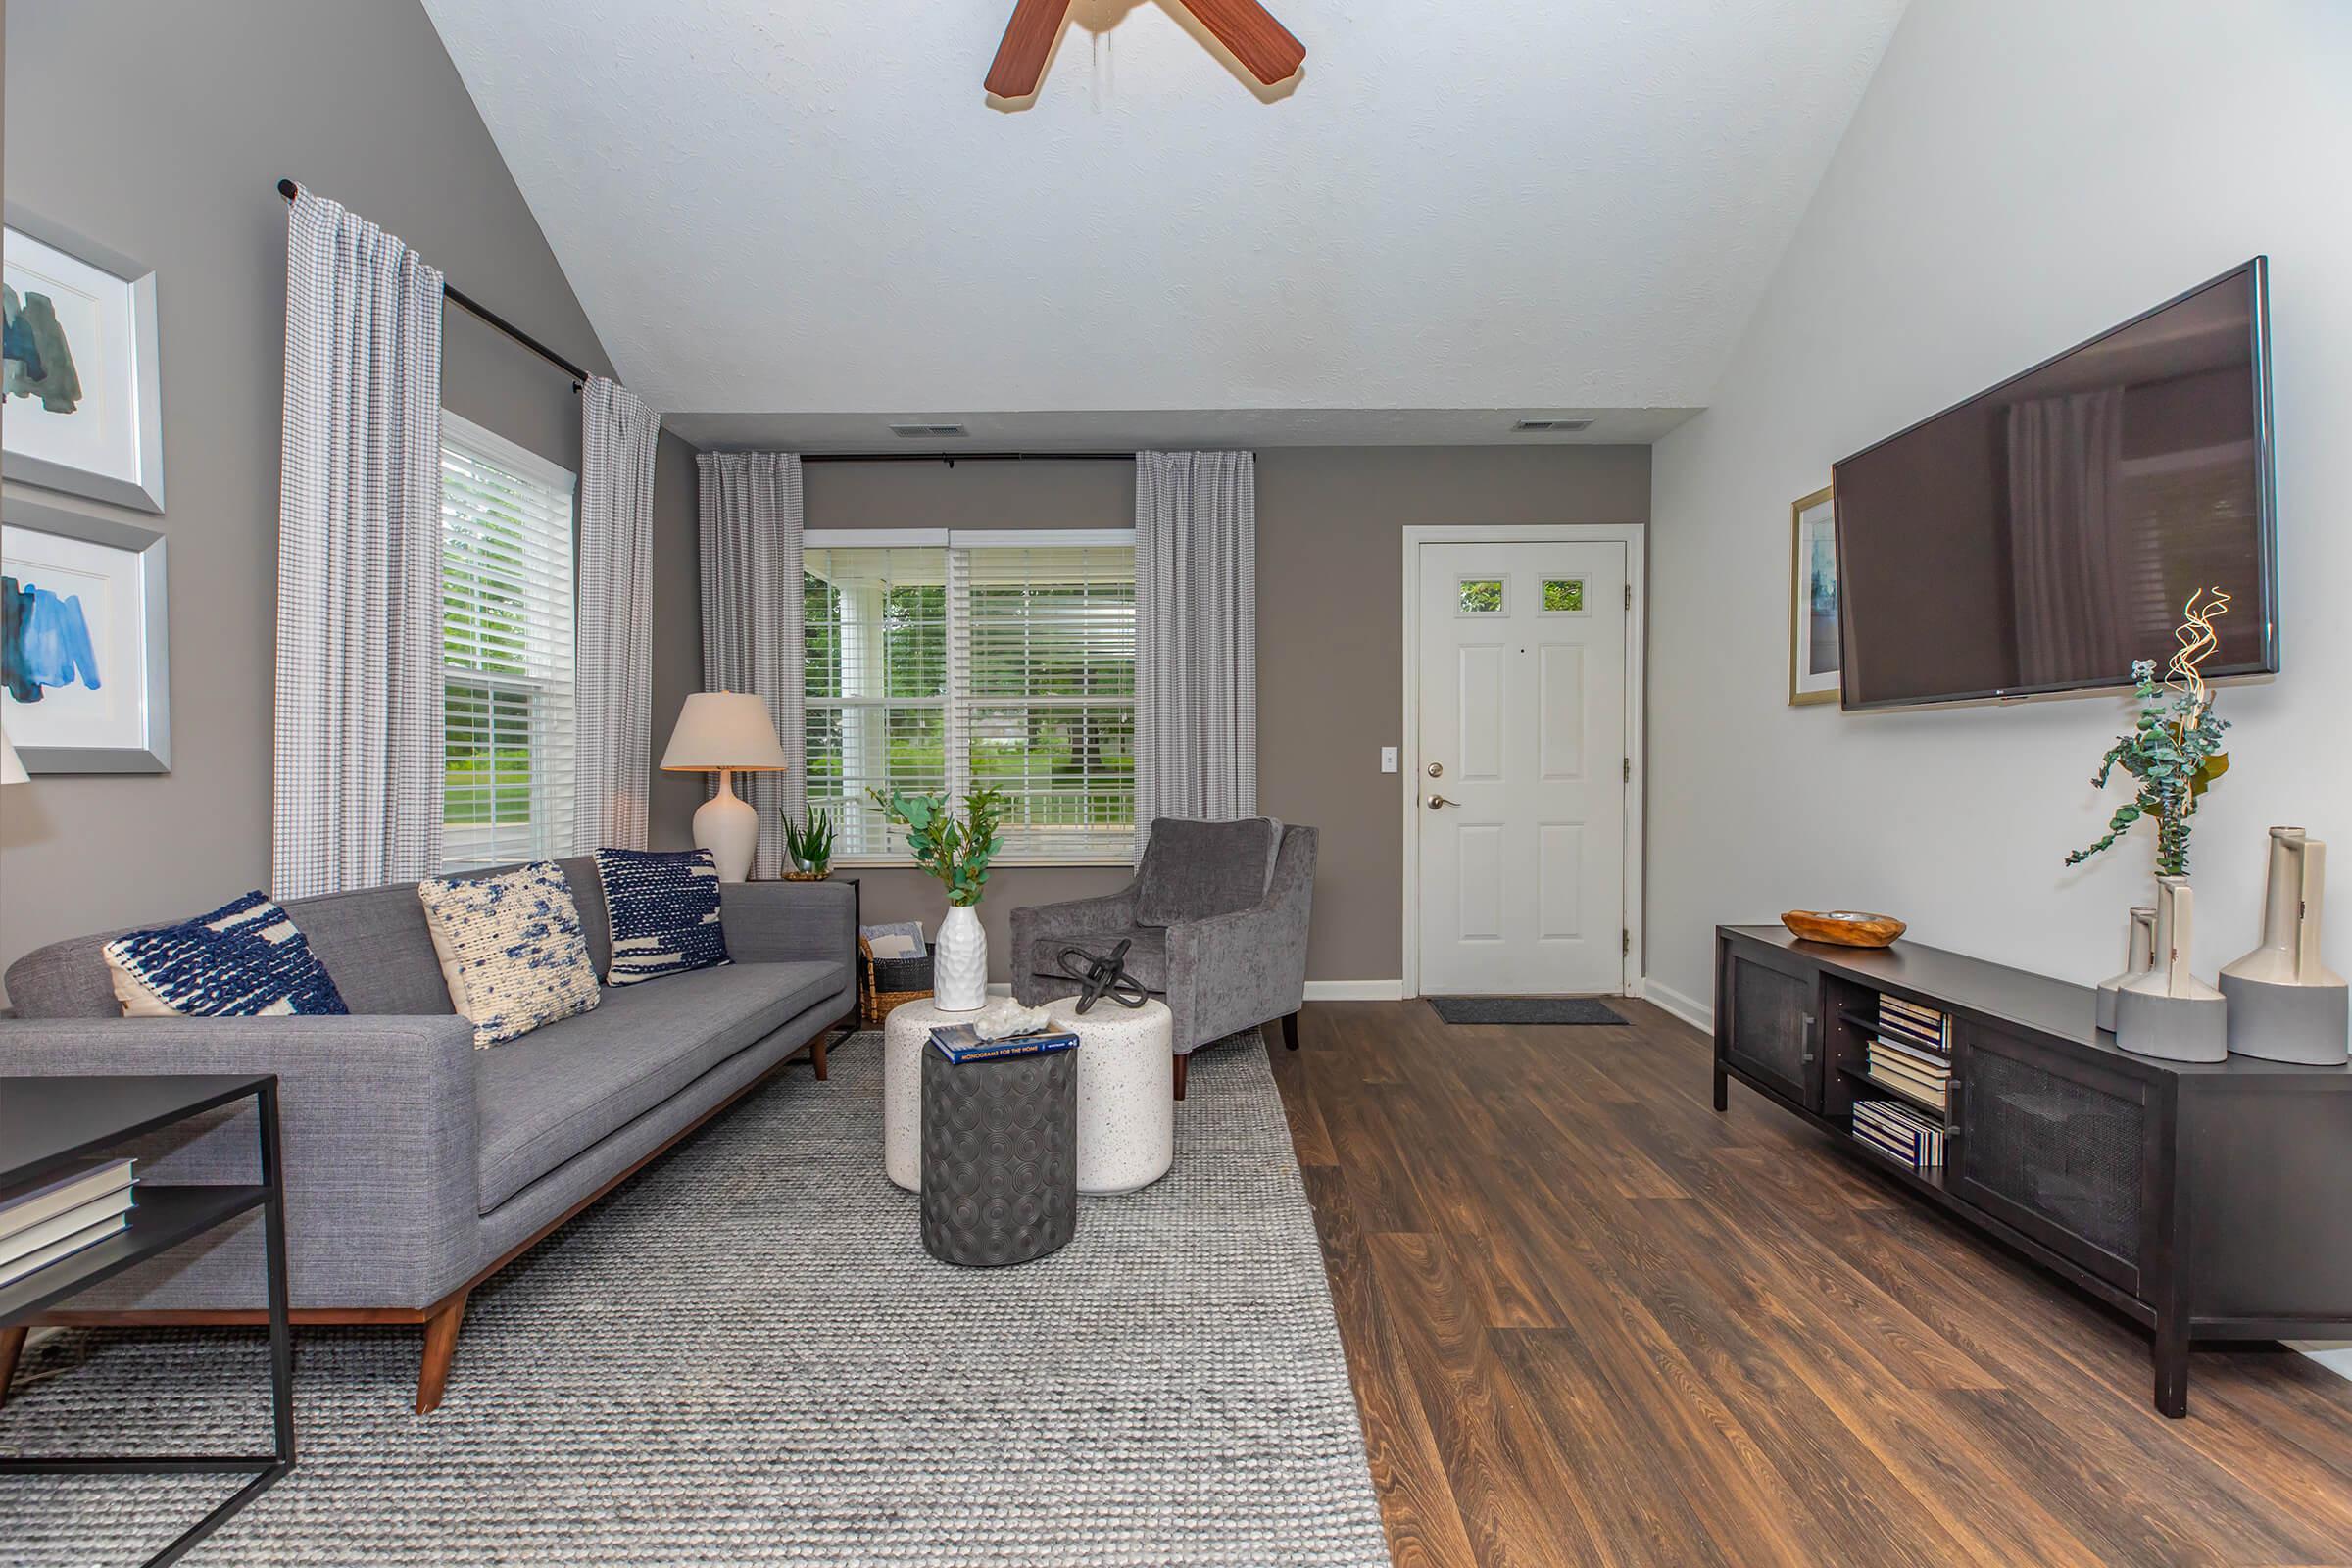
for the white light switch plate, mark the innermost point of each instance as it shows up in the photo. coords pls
(1387, 759)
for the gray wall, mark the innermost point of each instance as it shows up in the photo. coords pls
(161, 130)
(1330, 584)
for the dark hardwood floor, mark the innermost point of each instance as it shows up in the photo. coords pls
(1589, 1321)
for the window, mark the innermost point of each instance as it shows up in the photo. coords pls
(506, 650)
(939, 663)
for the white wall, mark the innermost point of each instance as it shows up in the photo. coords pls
(2020, 176)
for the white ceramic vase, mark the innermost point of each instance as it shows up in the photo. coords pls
(960, 962)
(2169, 1013)
(2284, 1004)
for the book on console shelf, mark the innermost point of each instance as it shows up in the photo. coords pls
(1909, 1065)
(1920, 1026)
(60, 1214)
(961, 1042)
(1897, 1130)
(1935, 1095)
(1919, 1056)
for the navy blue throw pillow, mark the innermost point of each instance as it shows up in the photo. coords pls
(243, 960)
(663, 908)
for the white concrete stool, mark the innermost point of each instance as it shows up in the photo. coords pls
(1126, 1094)
(904, 1034)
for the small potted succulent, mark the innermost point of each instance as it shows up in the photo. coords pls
(808, 844)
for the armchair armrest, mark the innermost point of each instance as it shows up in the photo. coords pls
(1061, 922)
(1231, 971)
(376, 1129)
(780, 922)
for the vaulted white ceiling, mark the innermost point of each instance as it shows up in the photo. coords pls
(811, 206)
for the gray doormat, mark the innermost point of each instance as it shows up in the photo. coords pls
(744, 1357)
(1522, 1009)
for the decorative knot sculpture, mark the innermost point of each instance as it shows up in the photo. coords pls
(1103, 975)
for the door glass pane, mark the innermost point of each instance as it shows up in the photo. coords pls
(1564, 595)
(1481, 596)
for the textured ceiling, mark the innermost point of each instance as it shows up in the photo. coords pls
(811, 206)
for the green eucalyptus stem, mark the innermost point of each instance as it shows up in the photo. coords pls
(956, 851)
(2175, 751)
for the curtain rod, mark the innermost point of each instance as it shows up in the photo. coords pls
(951, 459)
(579, 377)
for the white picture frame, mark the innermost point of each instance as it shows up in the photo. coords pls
(85, 625)
(92, 425)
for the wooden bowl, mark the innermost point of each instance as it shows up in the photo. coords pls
(1845, 928)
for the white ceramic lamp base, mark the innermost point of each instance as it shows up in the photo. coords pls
(729, 827)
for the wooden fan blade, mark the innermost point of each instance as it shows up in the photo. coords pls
(1028, 38)
(1261, 44)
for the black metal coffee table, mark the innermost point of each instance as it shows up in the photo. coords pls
(48, 1124)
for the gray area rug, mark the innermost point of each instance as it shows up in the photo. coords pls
(1522, 1009)
(744, 1357)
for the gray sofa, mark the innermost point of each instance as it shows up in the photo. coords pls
(417, 1166)
(1217, 921)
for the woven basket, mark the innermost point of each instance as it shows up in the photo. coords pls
(891, 981)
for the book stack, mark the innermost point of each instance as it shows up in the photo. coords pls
(961, 1042)
(61, 1213)
(1912, 1053)
(1900, 1132)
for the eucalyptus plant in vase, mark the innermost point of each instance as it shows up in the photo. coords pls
(957, 851)
(2174, 750)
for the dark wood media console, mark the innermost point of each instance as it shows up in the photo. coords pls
(2203, 1201)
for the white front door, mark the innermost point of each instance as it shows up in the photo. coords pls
(1521, 767)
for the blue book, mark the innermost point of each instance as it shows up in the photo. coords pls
(961, 1042)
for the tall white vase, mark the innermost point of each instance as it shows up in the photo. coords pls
(2139, 957)
(2169, 1013)
(2284, 1004)
(960, 962)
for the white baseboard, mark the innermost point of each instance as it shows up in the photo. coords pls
(2333, 1355)
(1356, 990)
(1697, 1014)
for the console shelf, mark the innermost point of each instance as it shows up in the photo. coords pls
(2202, 1201)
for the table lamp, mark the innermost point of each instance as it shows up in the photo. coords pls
(725, 734)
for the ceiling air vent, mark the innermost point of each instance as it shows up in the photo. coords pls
(1551, 426)
(926, 433)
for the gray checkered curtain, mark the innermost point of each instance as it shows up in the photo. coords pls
(614, 645)
(1196, 635)
(749, 508)
(357, 791)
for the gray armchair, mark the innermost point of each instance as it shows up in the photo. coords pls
(1217, 916)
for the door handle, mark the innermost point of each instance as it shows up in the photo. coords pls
(1436, 801)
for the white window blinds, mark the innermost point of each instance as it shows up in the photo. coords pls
(507, 650)
(941, 664)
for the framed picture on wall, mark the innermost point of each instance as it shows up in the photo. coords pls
(84, 642)
(79, 381)
(1813, 671)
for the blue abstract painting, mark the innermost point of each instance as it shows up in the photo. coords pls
(44, 641)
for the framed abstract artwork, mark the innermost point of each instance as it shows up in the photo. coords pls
(82, 389)
(1813, 657)
(84, 642)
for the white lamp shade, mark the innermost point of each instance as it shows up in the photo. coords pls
(12, 766)
(724, 730)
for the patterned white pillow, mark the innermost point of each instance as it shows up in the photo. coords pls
(510, 949)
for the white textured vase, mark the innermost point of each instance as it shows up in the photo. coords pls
(960, 962)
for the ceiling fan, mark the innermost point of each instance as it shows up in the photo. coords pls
(1263, 46)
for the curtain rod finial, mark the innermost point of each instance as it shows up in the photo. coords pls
(288, 189)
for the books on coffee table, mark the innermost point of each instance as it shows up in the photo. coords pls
(961, 1042)
(61, 1213)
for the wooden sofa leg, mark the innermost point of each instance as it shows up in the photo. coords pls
(12, 1345)
(1180, 1059)
(440, 1344)
(1290, 1031)
(817, 1054)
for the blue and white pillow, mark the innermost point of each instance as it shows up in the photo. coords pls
(243, 960)
(664, 906)
(510, 949)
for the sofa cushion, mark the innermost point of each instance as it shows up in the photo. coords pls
(559, 1091)
(664, 912)
(1195, 871)
(243, 960)
(1147, 960)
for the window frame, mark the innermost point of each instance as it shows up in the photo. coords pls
(554, 838)
(957, 700)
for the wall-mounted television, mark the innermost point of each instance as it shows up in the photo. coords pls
(2046, 533)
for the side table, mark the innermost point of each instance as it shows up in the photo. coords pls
(47, 1125)
(1126, 1099)
(905, 1033)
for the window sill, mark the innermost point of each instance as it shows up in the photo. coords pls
(873, 863)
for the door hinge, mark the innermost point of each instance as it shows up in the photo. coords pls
(1629, 770)
(1625, 942)
(1629, 595)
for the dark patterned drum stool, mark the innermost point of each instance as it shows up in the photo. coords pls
(1000, 1157)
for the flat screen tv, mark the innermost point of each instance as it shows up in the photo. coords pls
(2046, 533)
